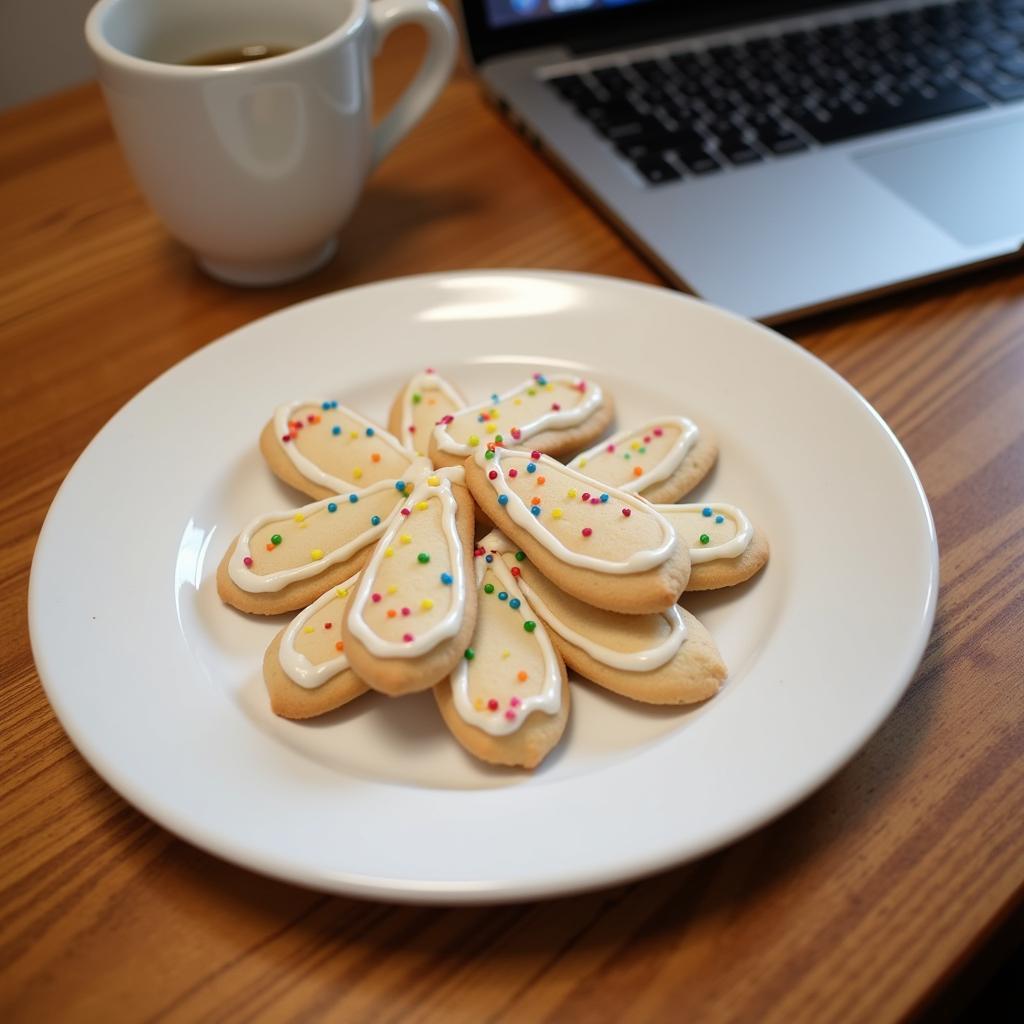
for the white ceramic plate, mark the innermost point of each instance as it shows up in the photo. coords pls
(159, 685)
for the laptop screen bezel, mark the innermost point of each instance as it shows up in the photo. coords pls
(648, 18)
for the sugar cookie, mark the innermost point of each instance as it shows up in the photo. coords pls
(661, 658)
(604, 546)
(724, 547)
(661, 460)
(413, 610)
(557, 413)
(322, 448)
(282, 561)
(305, 667)
(418, 407)
(507, 702)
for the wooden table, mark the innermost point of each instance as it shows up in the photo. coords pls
(860, 904)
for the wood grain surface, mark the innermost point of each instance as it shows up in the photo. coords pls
(859, 905)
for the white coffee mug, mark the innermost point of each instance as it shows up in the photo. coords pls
(255, 166)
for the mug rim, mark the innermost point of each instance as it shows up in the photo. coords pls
(106, 52)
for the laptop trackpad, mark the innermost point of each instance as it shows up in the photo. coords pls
(968, 181)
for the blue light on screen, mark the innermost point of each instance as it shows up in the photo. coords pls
(511, 12)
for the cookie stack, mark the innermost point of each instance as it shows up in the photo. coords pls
(459, 551)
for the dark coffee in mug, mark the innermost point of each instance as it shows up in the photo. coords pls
(239, 54)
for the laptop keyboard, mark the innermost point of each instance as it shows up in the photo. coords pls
(695, 112)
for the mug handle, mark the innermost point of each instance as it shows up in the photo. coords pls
(433, 72)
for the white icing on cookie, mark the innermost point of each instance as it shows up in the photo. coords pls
(643, 659)
(542, 403)
(421, 558)
(727, 529)
(507, 637)
(335, 447)
(313, 629)
(426, 399)
(609, 530)
(636, 459)
(282, 547)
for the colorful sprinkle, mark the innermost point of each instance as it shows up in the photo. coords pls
(488, 588)
(307, 629)
(556, 513)
(340, 645)
(638, 471)
(489, 454)
(522, 677)
(541, 481)
(514, 603)
(719, 519)
(332, 506)
(492, 704)
(375, 520)
(299, 517)
(353, 498)
(529, 625)
(399, 485)
(426, 604)
(510, 715)
(535, 510)
(416, 398)
(423, 558)
(706, 511)
(375, 457)
(392, 614)
(520, 556)
(375, 598)
(392, 588)
(406, 512)
(502, 595)
(604, 497)
(585, 496)
(513, 473)
(405, 538)
(335, 431)
(434, 481)
(627, 512)
(531, 467)
(275, 538)
(469, 654)
(342, 592)
(389, 552)
(658, 431)
(327, 625)
(502, 499)
(472, 440)
(586, 531)
(370, 431)
(705, 539)
(492, 475)
(571, 493)
(407, 612)
(421, 506)
(357, 474)
(446, 578)
(407, 637)
(247, 561)
(316, 554)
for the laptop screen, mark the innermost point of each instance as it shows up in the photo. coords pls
(511, 12)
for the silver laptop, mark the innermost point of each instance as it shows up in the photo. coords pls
(776, 158)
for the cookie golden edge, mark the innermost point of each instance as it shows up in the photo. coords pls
(396, 677)
(728, 572)
(283, 468)
(699, 461)
(653, 590)
(527, 747)
(290, 598)
(289, 700)
(695, 673)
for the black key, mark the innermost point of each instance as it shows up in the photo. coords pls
(699, 161)
(1006, 90)
(737, 150)
(570, 86)
(880, 115)
(785, 142)
(657, 170)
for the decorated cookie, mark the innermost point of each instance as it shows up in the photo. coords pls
(284, 560)
(305, 667)
(507, 701)
(661, 460)
(556, 413)
(412, 613)
(322, 448)
(605, 546)
(725, 549)
(661, 658)
(426, 399)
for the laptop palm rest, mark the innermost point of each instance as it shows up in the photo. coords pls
(968, 181)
